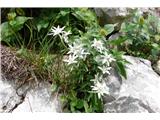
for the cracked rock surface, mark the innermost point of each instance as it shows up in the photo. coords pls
(138, 93)
(128, 105)
(9, 99)
(37, 98)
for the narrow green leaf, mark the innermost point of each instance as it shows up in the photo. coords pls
(121, 69)
(86, 107)
(20, 11)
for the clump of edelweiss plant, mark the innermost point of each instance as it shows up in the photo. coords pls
(88, 61)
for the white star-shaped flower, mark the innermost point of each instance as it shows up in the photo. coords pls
(56, 30)
(65, 36)
(97, 77)
(99, 86)
(71, 59)
(98, 45)
(105, 59)
(78, 49)
(105, 69)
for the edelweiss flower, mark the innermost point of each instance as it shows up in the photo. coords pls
(71, 59)
(56, 31)
(78, 50)
(98, 45)
(105, 69)
(105, 59)
(97, 77)
(65, 36)
(83, 54)
(100, 87)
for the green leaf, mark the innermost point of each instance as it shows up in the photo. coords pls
(72, 108)
(157, 37)
(141, 20)
(155, 45)
(121, 69)
(73, 102)
(63, 98)
(117, 54)
(73, 94)
(6, 32)
(11, 15)
(79, 104)
(20, 11)
(86, 107)
(54, 87)
(18, 22)
(64, 13)
(42, 24)
(109, 28)
(155, 52)
(156, 49)
(117, 41)
(126, 27)
(85, 15)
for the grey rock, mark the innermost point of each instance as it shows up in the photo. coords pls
(111, 15)
(114, 36)
(9, 99)
(114, 85)
(118, 15)
(157, 67)
(127, 105)
(27, 97)
(142, 85)
(40, 99)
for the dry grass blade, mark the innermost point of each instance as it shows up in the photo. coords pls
(13, 67)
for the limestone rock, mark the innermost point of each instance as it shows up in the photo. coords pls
(39, 99)
(113, 81)
(127, 105)
(157, 67)
(27, 98)
(118, 15)
(111, 15)
(9, 99)
(141, 87)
